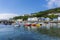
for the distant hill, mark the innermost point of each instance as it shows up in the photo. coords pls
(54, 10)
(46, 12)
(41, 14)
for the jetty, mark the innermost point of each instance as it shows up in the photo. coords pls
(6, 22)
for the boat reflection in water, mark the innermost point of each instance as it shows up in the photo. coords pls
(9, 32)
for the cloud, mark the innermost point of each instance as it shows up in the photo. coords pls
(7, 15)
(53, 3)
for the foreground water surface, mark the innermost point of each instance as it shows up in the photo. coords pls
(9, 32)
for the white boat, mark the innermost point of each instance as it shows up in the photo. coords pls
(17, 25)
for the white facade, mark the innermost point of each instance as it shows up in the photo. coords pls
(41, 19)
(33, 19)
(47, 19)
(55, 19)
(54, 14)
(58, 18)
(19, 20)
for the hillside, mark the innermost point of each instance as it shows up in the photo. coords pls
(41, 14)
(46, 12)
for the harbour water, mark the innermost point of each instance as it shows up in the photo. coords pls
(9, 32)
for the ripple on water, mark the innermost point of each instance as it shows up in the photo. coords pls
(11, 33)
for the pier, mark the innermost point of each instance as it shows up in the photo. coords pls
(6, 22)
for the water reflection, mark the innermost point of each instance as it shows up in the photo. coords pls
(9, 32)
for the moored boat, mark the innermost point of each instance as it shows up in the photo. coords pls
(27, 24)
(38, 25)
(17, 24)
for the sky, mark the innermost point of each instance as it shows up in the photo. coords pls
(11, 8)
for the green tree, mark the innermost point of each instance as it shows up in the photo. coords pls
(52, 16)
(18, 17)
(25, 17)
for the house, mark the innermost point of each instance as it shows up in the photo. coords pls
(44, 19)
(41, 19)
(33, 19)
(55, 19)
(58, 14)
(19, 20)
(47, 19)
(58, 18)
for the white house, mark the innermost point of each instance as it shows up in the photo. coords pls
(41, 19)
(47, 19)
(33, 19)
(54, 14)
(55, 19)
(19, 20)
(58, 18)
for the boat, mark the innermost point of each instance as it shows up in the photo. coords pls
(16, 24)
(38, 25)
(27, 24)
(33, 24)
